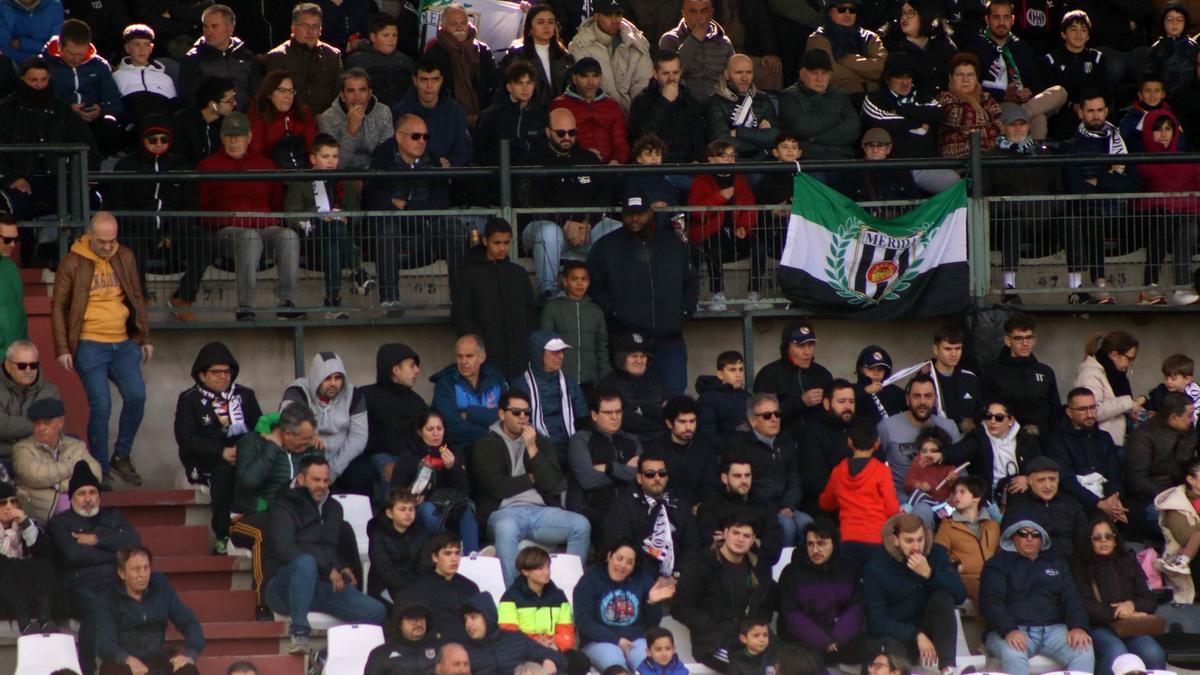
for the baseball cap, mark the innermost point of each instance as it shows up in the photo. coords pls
(612, 7)
(816, 59)
(586, 65)
(555, 344)
(1013, 114)
(635, 203)
(235, 124)
(802, 334)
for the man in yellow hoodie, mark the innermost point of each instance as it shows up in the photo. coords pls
(101, 332)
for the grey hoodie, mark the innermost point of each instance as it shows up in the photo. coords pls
(516, 453)
(342, 421)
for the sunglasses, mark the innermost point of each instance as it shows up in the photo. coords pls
(10, 500)
(1029, 534)
(1104, 536)
(519, 412)
(768, 415)
(416, 136)
(157, 139)
(31, 365)
(661, 473)
(846, 9)
(9, 240)
(994, 417)
(565, 133)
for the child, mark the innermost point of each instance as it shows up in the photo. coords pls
(661, 658)
(871, 396)
(1177, 370)
(723, 397)
(723, 236)
(330, 232)
(1074, 66)
(756, 655)
(1174, 54)
(926, 474)
(146, 87)
(580, 322)
(1151, 96)
(395, 545)
(970, 536)
(776, 188)
(861, 490)
(390, 70)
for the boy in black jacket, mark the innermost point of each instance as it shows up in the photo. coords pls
(754, 654)
(723, 397)
(443, 590)
(395, 546)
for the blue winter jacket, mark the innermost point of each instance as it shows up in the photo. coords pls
(1015, 591)
(606, 610)
(549, 394)
(90, 83)
(32, 27)
(650, 667)
(499, 651)
(446, 123)
(453, 394)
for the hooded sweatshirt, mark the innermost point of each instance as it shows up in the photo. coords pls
(399, 656)
(556, 398)
(820, 604)
(106, 313)
(1165, 178)
(207, 422)
(499, 651)
(90, 83)
(391, 406)
(609, 611)
(342, 420)
(864, 500)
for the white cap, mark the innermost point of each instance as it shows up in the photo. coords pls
(1128, 663)
(556, 345)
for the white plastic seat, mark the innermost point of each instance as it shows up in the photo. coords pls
(44, 653)
(785, 559)
(566, 569)
(356, 510)
(349, 645)
(486, 573)
(319, 622)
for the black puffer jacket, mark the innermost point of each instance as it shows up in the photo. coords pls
(395, 557)
(707, 598)
(237, 64)
(1156, 457)
(789, 382)
(644, 285)
(722, 408)
(81, 565)
(1061, 516)
(398, 656)
(37, 117)
(1029, 384)
(391, 406)
(716, 509)
(776, 468)
(822, 444)
(494, 299)
(445, 599)
(297, 527)
(642, 400)
(679, 123)
(1083, 451)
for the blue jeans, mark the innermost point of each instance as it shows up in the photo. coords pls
(297, 589)
(605, 654)
(97, 363)
(545, 240)
(542, 524)
(792, 527)
(468, 524)
(670, 363)
(1049, 641)
(1108, 647)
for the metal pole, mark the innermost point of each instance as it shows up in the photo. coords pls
(298, 347)
(81, 186)
(505, 171)
(62, 197)
(748, 348)
(979, 235)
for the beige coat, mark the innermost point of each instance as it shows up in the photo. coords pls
(1175, 500)
(853, 73)
(624, 73)
(1111, 416)
(41, 477)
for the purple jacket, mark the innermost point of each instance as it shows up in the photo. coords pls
(819, 605)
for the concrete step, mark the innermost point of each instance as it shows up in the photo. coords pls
(176, 540)
(145, 508)
(199, 572)
(238, 638)
(225, 606)
(277, 664)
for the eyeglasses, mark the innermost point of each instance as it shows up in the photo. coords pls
(846, 9)
(9, 240)
(908, 14)
(1023, 339)
(308, 26)
(158, 139)
(285, 90)
(1104, 536)
(995, 417)
(661, 473)
(220, 371)
(768, 415)
(1029, 534)
(1088, 408)
(519, 412)
(565, 133)
(28, 365)
(416, 136)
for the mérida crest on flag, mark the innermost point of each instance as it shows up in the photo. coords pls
(839, 259)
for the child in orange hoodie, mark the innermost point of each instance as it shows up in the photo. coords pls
(860, 489)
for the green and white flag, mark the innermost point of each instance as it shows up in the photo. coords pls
(840, 259)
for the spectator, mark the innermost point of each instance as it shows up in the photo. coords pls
(304, 544)
(967, 108)
(1031, 603)
(826, 441)
(898, 433)
(389, 69)
(219, 53)
(1158, 453)
(1108, 360)
(429, 468)
(723, 397)
(467, 392)
(145, 85)
(395, 547)
(820, 603)
(650, 514)
(449, 137)
(516, 470)
(928, 479)
(774, 459)
(557, 399)
(640, 390)
(970, 536)
(453, 660)
(615, 602)
(874, 398)
(313, 66)
(211, 417)
(862, 492)
(1151, 96)
(341, 21)
(736, 499)
(493, 299)
(691, 457)
(1020, 378)
(857, 54)
(282, 127)
(999, 449)
(131, 621)
(244, 239)
(1177, 370)
(466, 63)
(720, 236)
(341, 414)
(1174, 54)
(621, 50)
(412, 648)
(1060, 515)
(661, 658)
(27, 25)
(12, 293)
(910, 115)
(196, 130)
(660, 189)
(719, 587)
(541, 46)
(392, 404)
(580, 321)
(911, 593)
(599, 118)
(1113, 587)
(702, 45)
(1180, 526)
(93, 95)
(359, 120)
(740, 114)
(104, 335)
(620, 288)
(603, 460)
(920, 32)
(495, 651)
(1175, 218)
(515, 117)
(442, 589)
(27, 565)
(823, 118)
(539, 609)
(1090, 461)
(880, 184)
(1094, 136)
(668, 109)
(958, 392)
(1075, 67)
(86, 539)
(795, 378)
(23, 384)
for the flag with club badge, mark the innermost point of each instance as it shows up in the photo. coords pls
(839, 259)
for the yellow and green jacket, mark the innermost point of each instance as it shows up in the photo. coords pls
(538, 615)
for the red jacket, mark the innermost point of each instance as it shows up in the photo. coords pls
(257, 196)
(706, 192)
(1166, 177)
(264, 135)
(864, 501)
(601, 125)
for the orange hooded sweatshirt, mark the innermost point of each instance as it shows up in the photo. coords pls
(106, 314)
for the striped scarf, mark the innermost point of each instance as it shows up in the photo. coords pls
(535, 402)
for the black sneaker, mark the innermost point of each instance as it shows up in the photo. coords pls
(287, 311)
(335, 309)
(361, 282)
(106, 483)
(244, 314)
(263, 613)
(123, 467)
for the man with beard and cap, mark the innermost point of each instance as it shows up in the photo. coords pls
(467, 392)
(341, 420)
(735, 496)
(898, 433)
(210, 417)
(650, 514)
(45, 460)
(391, 404)
(86, 539)
(641, 390)
(466, 63)
(911, 592)
(857, 54)
(555, 397)
(1031, 603)
(796, 378)
(871, 396)
(822, 443)
(903, 108)
(23, 384)
(741, 114)
(25, 555)
(495, 651)
(1089, 460)
(692, 460)
(411, 650)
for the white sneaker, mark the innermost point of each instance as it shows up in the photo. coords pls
(487, 552)
(717, 303)
(1188, 297)
(753, 302)
(1176, 562)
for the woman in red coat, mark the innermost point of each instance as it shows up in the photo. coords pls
(1170, 219)
(276, 116)
(719, 237)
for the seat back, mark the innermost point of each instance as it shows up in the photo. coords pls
(44, 653)
(356, 509)
(349, 646)
(566, 569)
(486, 573)
(785, 558)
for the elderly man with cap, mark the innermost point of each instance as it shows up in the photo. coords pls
(243, 239)
(556, 401)
(45, 460)
(823, 117)
(641, 389)
(22, 385)
(1059, 513)
(702, 45)
(599, 118)
(621, 50)
(86, 538)
(643, 279)
(795, 378)
(738, 112)
(875, 184)
(1031, 603)
(25, 556)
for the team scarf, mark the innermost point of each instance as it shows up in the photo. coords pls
(535, 402)
(660, 545)
(1116, 144)
(226, 406)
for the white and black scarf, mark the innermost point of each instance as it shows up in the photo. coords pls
(227, 406)
(660, 545)
(743, 113)
(1116, 144)
(535, 402)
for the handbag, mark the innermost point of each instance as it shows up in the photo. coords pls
(1134, 626)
